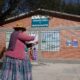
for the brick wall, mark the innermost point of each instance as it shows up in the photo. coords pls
(65, 52)
(55, 22)
(26, 22)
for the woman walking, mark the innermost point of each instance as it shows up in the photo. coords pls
(16, 64)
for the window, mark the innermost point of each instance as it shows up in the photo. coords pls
(7, 38)
(50, 41)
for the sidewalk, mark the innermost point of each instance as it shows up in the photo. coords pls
(56, 71)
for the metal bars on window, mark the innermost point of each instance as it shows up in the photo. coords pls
(50, 41)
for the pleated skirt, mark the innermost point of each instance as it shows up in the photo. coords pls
(15, 69)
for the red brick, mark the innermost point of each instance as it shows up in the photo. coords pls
(65, 52)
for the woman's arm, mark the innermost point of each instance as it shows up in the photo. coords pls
(24, 37)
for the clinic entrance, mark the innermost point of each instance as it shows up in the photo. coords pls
(48, 42)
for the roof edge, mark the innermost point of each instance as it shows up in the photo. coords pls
(43, 12)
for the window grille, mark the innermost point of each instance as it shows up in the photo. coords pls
(50, 41)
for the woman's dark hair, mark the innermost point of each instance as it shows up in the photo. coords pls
(19, 29)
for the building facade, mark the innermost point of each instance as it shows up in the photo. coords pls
(58, 33)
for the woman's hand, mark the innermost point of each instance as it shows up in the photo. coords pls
(36, 42)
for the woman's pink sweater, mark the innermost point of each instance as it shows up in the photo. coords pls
(19, 50)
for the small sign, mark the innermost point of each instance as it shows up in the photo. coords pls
(68, 43)
(40, 21)
(74, 43)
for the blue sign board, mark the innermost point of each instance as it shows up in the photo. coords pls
(41, 22)
(75, 43)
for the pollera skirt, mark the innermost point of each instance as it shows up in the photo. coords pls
(15, 69)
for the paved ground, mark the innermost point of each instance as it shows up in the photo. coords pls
(56, 71)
